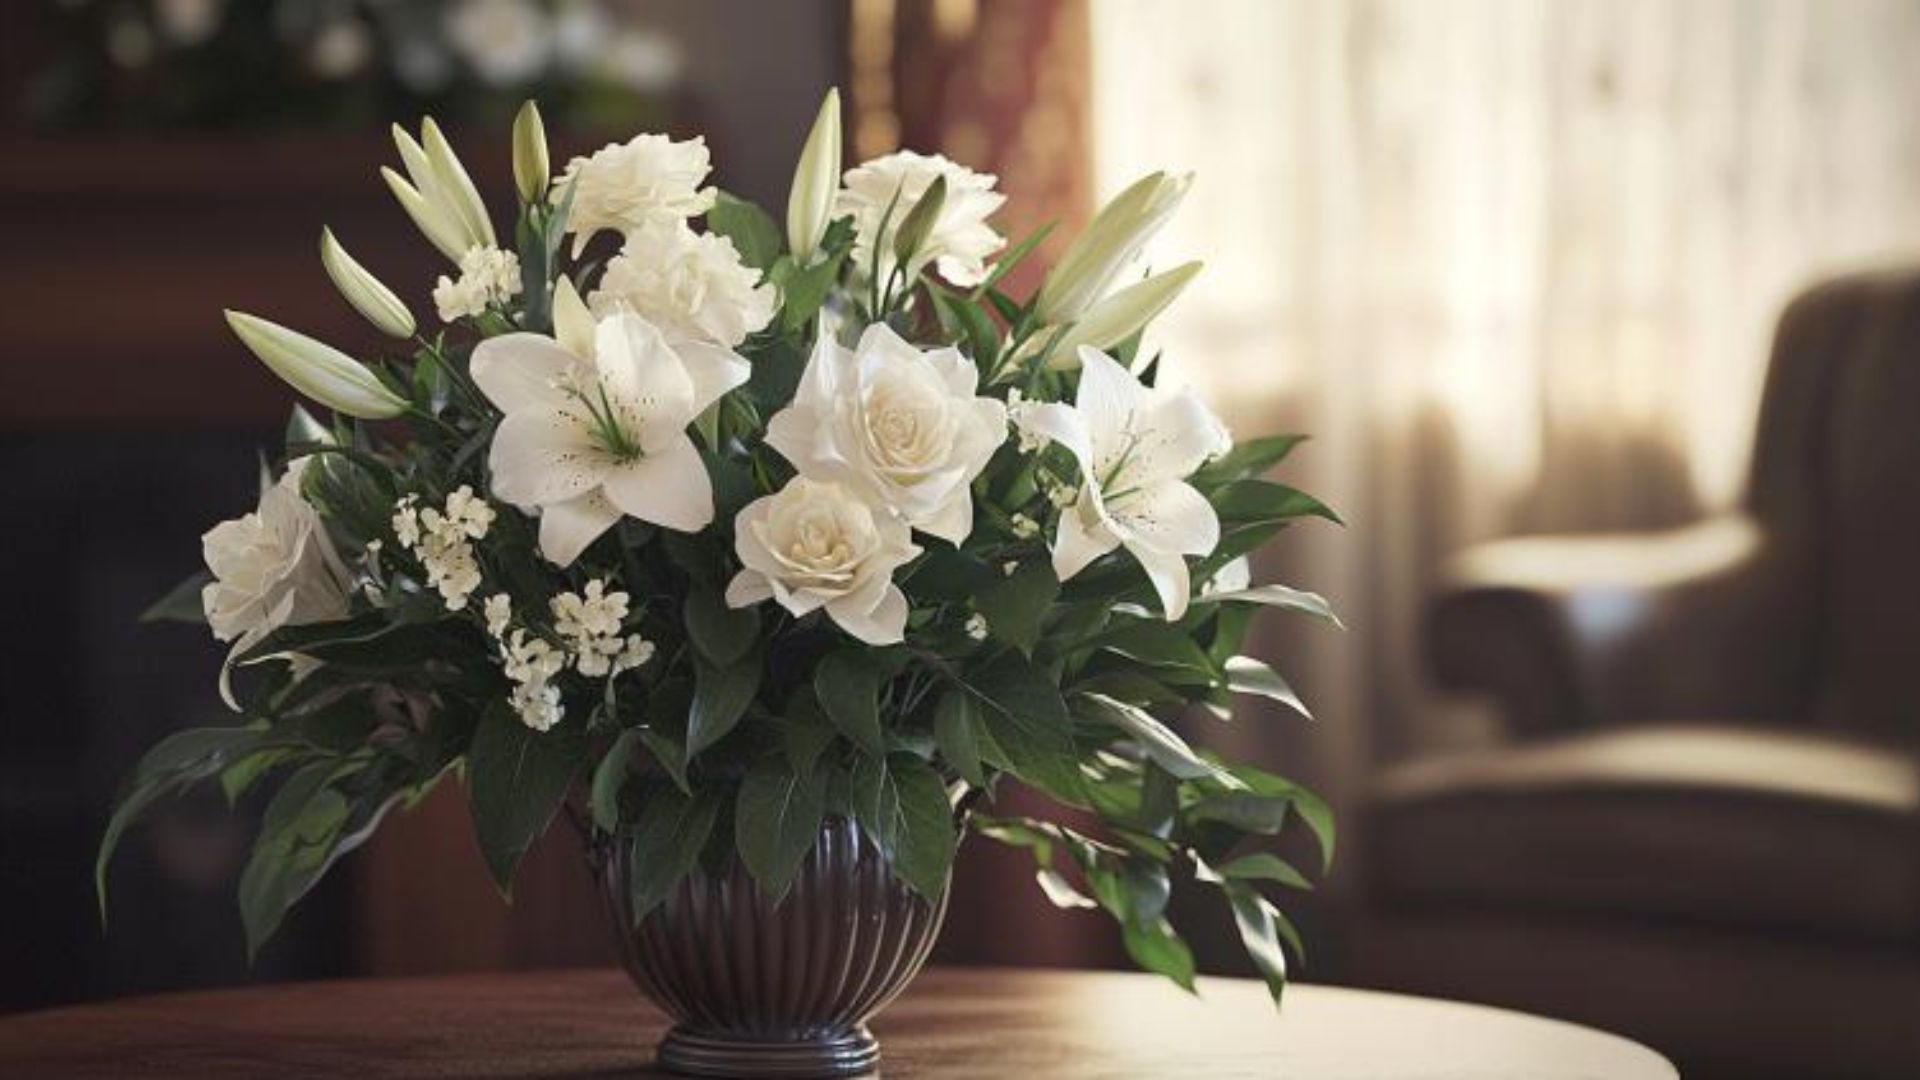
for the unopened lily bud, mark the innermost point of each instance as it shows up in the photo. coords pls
(316, 369)
(444, 234)
(462, 197)
(1110, 244)
(531, 167)
(1122, 315)
(373, 300)
(918, 224)
(815, 180)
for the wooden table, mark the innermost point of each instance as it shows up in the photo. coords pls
(954, 1022)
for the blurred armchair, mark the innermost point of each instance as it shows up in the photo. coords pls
(1702, 825)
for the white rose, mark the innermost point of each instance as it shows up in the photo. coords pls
(624, 186)
(960, 240)
(688, 284)
(899, 425)
(816, 544)
(274, 567)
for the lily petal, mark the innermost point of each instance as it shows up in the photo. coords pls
(647, 383)
(668, 486)
(521, 371)
(1063, 425)
(1168, 572)
(572, 322)
(1170, 517)
(567, 528)
(713, 369)
(1077, 543)
(543, 456)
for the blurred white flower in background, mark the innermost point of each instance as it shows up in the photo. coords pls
(506, 42)
(188, 22)
(340, 48)
(959, 242)
(641, 60)
(690, 285)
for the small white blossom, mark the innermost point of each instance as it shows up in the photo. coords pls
(977, 627)
(499, 612)
(589, 622)
(1007, 568)
(488, 276)
(406, 522)
(637, 651)
(538, 704)
(442, 539)
(469, 513)
(1029, 440)
(1062, 495)
(1023, 527)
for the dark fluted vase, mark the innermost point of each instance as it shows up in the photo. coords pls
(759, 989)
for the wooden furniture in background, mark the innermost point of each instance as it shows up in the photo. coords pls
(953, 1022)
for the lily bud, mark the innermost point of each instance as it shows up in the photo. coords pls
(444, 234)
(815, 180)
(316, 369)
(437, 193)
(1120, 316)
(1111, 242)
(531, 167)
(918, 224)
(460, 193)
(373, 300)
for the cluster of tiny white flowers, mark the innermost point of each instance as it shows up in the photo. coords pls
(590, 623)
(1017, 411)
(977, 626)
(1062, 495)
(531, 663)
(488, 275)
(1023, 527)
(443, 540)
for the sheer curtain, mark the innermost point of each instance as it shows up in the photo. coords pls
(1514, 262)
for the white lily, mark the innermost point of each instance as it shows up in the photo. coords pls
(1136, 447)
(815, 181)
(1108, 246)
(437, 193)
(317, 369)
(368, 295)
(596, 423)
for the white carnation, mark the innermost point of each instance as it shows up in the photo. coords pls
(898, 424)
(959, 242)
(817, 544)
(624, 186)
(690, 285)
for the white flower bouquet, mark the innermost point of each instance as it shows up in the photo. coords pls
(733, 533)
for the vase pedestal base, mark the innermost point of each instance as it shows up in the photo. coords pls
(695, 1053)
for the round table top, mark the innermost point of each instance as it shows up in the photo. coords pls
(953, 1022)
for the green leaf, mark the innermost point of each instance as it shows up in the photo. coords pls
(1278, 596)
(516, 779)
(720, 699)
(807, 732)
(666, 840)
(307, 827)
(181, 603)
(1244, 810)
(1261, 866)
(609, 777)
(722, 634)
(848, 687)
(669, 753)
(1156, 948)
(1245, 675)
(751, 229)
(1312, 808)
(1253, 916)
(1168, 750)
(1031, 731)
(173, 764)
(776, 820)
(1014, 256)
(918, 224)
(955, 732)
(1015, 605)
(1247, 501)
(904, 806)
(806, 290)
(1149, 887)
(1247, 460)
(1166, 647)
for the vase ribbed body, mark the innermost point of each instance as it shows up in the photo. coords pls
(759, 988)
